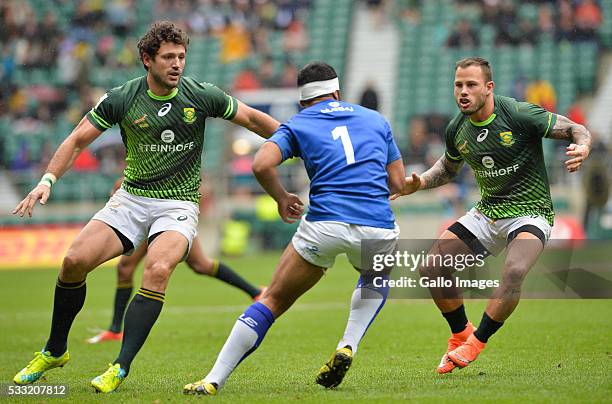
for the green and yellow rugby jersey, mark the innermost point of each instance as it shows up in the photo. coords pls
(163, 136)
(505, 152)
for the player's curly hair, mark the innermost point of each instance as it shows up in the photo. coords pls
(161, 31)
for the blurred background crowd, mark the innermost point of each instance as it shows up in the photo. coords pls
(58, 56)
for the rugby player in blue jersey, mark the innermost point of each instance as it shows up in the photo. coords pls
(354, 165)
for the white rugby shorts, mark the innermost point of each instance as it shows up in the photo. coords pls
(139, 217)
(320, 242)
(493, 233)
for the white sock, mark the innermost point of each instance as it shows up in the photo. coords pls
(248, 332)
(241, 340)
(365, 305)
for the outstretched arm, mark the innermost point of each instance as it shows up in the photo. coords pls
(439, 174)
(579, 149)
(290, 208)
(62, 160)
(255, 121)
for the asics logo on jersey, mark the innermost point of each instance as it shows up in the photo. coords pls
(482, 135)
(181, 218)
(248, 321)
(167, 136)
(164, 109)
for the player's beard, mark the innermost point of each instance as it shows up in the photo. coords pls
(478, 102)
(161, 80)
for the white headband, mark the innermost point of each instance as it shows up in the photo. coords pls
(316, 88)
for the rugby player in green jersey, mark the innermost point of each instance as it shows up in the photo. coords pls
(197, 261)
(500, 138)
(161, 116)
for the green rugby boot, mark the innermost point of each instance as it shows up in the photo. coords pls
(42, 362)
(108, 381)
(201, 387)
(331, 374)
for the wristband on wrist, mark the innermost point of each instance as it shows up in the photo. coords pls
(48, 179)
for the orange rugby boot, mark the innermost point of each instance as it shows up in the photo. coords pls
(467, 352)
(456, 339)
(105, 336)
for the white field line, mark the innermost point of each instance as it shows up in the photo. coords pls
(187, 310)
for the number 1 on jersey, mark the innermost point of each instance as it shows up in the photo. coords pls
(342, 133)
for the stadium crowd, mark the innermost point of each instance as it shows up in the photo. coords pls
(57, 57)
(49, 55)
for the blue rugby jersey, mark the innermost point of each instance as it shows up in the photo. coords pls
(346, 149)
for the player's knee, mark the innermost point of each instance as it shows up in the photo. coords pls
(514, 273)
(125, 272)
(158, 272)
(74, 264)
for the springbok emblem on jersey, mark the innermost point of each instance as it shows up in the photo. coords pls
(189, 115)
(506, 139)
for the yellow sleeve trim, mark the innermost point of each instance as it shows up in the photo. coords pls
(550, 115)
(229, 111)
(453, 158)
(99, 119)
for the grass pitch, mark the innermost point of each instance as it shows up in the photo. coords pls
(549, 350)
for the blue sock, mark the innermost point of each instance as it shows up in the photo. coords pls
(248, 332)
(366, 303)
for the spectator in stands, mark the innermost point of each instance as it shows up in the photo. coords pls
(409, 10)
(527, 33)
(376, 9)
(295, 39)
(464, 36)
(546, 23)
(235, 42)
(289, 75)
(565, 28)
(104, 49)
(415, 154)
(126, 57)
(588, 18)
(576, 114)
(369, 96)
(266, 73)
(121, 17)
(542, 93)
(246, 80)
(519, 85)
(7, 64)
(596, 183)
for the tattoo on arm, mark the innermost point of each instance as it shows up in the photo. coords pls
(441, 173)
(566, 129)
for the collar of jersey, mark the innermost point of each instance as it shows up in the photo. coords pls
(162, 97)
(485, 122)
